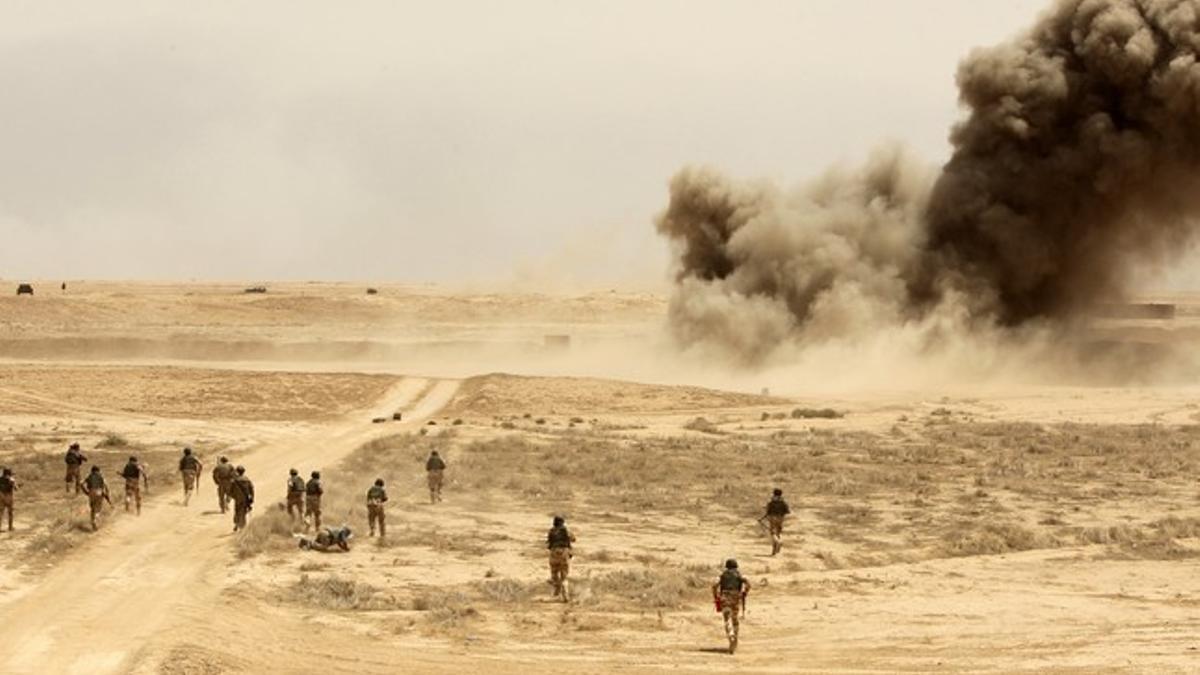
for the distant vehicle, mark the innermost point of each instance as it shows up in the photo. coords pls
(256, 289)
(372, 291)
(24, 289)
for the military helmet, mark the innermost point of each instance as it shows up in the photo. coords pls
(294, 472)
(187, 451)
(240, 469)
(7, 471)
(224, 459)
(731, 564)
(778, 492)
(434, 453)
(95, 469)
(558, 521)
(379, 482)
(74, 446)
(133, 458)
(316, 474)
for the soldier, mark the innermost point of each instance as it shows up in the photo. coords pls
(242, 491)
(74, 460)
(190, 467)
(312, 500)
(559, 541)
(133, 488)
(777, 510)
(729, 595)
(376, 497)
(8, 485)
(295, 495)
(435, 467)
(223, 474)
(330, 539)
(97, 492)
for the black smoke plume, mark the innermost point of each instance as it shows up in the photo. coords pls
(1076, 163)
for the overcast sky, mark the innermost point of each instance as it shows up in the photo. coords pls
(437, 141)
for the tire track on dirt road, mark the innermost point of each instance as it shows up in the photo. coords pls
(96, 609)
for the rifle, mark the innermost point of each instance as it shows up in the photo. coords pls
(107, 499)
(717, 602)
(745, 596)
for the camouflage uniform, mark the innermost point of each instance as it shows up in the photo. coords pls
(435, 469)
(312, 501)
(189, 468)
(731, 589)
(135, 475)
(295, 497)
(223, 475)
(376, 497)
(559, 540)
(8, 485)
(777, 510)
(74, 460)
(97, 492)
(329, 539)
(242, 491)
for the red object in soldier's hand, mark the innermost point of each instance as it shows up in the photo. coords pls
(717, 603)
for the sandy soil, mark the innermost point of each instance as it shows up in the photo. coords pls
(973, 529)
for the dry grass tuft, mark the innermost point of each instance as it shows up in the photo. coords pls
(335, 593)
(271, 530)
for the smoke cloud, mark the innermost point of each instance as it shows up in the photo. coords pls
(1076, 163)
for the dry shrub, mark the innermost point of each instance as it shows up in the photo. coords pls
(445, 609)
(507, 591)
(271, 530)
(647, 587)
(113, 441)
(996, 538)
(816, 413)
(703, 426)
(335, 593)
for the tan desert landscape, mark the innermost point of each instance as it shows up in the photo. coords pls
(607, 286)
(1031, 528)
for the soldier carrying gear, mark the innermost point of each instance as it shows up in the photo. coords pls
(435, 469)
(559, 541)
(330, 539)
(8, 485)
(223, 474)
(376, 498)
(242, 491)
(97, 492)
(74, 460)
(190, 467)
(777, 510)
(729, 594)
(295, 495)
(133, 471)
(312, 500)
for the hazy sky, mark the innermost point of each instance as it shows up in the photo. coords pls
(437, 141)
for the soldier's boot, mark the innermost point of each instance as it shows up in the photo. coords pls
(566, 591)
(382, 530)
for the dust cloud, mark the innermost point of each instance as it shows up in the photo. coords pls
(1074, 168)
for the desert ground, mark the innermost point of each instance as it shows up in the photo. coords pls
(1046, 526)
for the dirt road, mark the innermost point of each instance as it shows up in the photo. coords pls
(100, 609)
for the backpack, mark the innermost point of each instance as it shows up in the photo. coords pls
(131, 471)
(6, 485)
(731, 580)
(313, 489)
(558, 537)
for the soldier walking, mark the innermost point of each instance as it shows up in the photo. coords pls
(133, 471)
(435, 468)
(8, 486)
(223, 474)
(729, 595)
(242, 491)
(295, 495)
(312, 500)
(74, 460)
(190, 467)
(777, 510)
(97, 493)
(559, 541)
(376, 498)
